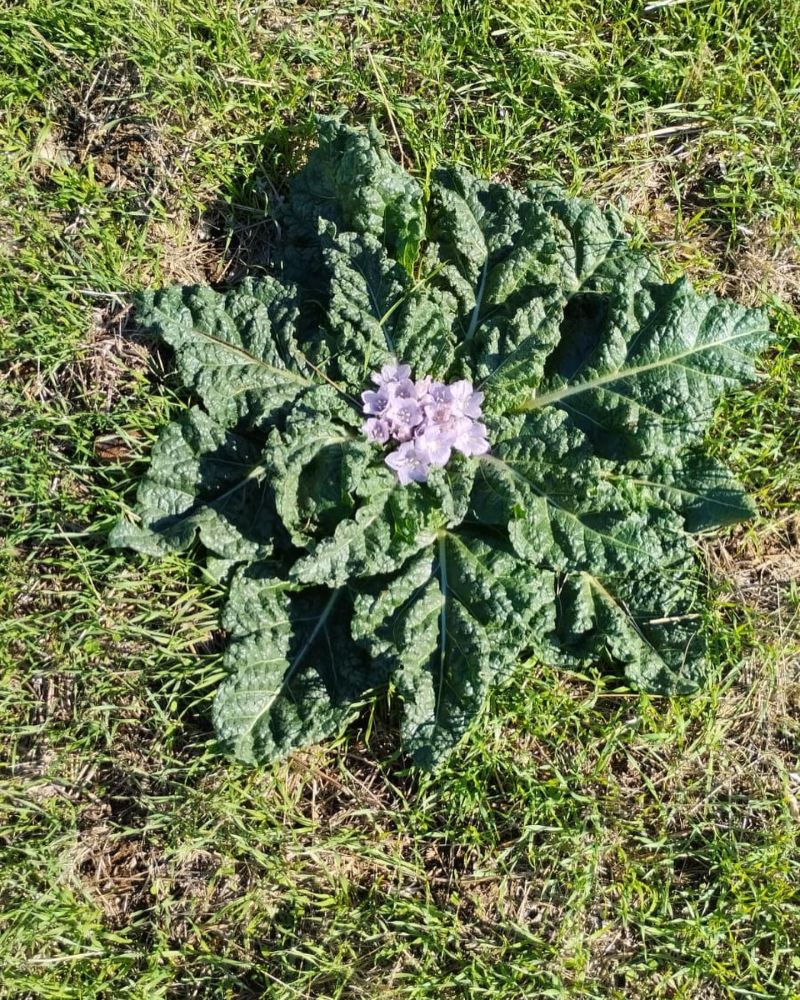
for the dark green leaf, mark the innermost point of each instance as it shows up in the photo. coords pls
(204, 481)
(451, 624)
(394, 525)
(235, 350)
(295, 676)
(647, 379)
(352, 182)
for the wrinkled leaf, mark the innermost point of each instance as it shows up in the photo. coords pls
(449, 626)
(294, 673)
(352, 182)
(204, 481)
(236, 350)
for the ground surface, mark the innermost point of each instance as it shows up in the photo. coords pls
(585, 842)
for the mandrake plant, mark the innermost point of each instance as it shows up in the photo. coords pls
(454, 427)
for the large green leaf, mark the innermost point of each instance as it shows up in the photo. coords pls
(645, 622)
(352, 182)
(697, 486)
(494, 237)
(236, 350)
(203, 481)
(560, 519)
(450, 625)
(392, 526)
(493, 250)
(364, 288)
(647, 378)
(592, 250)
(515, 262)
(422, 330)
(319, 464)
(564, 511)
(294, 674)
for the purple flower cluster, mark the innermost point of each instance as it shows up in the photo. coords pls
(429, 419)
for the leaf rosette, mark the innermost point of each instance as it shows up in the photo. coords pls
(566, 536)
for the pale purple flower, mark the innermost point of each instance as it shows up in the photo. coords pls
(423, 387)
(435, 441)
(391, 373)
(438, 413)
(377, 430)
(402, 389)
(428, 419)
(438, 392)
(375, 402)
(403, 416)
(465, 400)
(409, 463)
(472, 440)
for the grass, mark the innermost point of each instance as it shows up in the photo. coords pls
(585, 842)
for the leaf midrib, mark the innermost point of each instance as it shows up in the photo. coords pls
(295, 663)
(548, 498)
(251, 358)
(556, 395)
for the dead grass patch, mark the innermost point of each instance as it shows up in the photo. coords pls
(187, 255)
(125, 874)
(762, 570)
(760, 565)
(104, 121)
(52, 151)
(116, 872)
(244, 244)
(664, 190)
(103, 369)
(295, 16)
(661, 189)
(108, 359)
(764, 266)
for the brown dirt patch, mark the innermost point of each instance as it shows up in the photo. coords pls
(760, 565)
